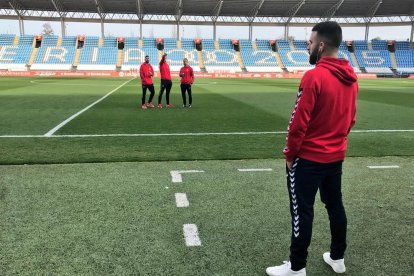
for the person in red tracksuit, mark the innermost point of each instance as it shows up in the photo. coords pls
(165, 81)
(187, 79)
(321, 119)
(146, 73)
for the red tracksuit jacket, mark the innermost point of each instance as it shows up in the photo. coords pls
(324, 112)
(165, 71)
(188, 77)
(144, 72)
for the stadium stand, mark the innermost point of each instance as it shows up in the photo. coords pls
(225, 59)
(405, 61)
(54, 58)
(7, 39)
(49, 40)
(109, 42)
(375, 61)
(94, 58)
(263, 44)
(208, 44)
(69, 41)
(187, 43)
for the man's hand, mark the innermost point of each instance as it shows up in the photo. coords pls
(289, 164)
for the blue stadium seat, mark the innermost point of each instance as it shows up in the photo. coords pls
(16, 54)
(110, 42)
(49, 40)
(91, 41)
(245, 44)
(176, 56)
(263, 44)
(187, 43)
(402, 45)
(259, 60)
(7, 39)
(208, 44)
(148, 42)
(69, 41)
(360, 44)
(101, 56)
(282, 44)
(132, 42)
(26, 40)
(170, 43)
(405, 61)
(375, 61)
(300, 44)
(226, 44)
(379, 44)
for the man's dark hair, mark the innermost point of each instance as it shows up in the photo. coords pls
(146, 56)
(329, 32)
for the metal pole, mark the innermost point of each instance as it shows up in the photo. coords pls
(214, 31)
(21, 25)
(412, 32)
(102, 29)
(140, 30)
(366, 31)
(286, 31)
(178, 30)
(250, 32)
(62, 24)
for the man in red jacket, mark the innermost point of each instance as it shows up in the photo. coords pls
(165, 81)
(146, 73)
(321, 119)
(187, 79)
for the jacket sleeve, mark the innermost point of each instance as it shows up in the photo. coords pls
(301, 116)
(141, 72)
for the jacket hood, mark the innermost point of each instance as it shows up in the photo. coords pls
(340, 68)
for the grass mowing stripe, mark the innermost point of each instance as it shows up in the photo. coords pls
(186, 134)
(59, 126)
(176, 175)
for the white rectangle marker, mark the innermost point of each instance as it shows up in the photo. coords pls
(255, 170)
(181, 200)
(384, 167)
(176, 175)
(191, 235)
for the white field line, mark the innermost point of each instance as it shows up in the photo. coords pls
(176, 175)
(70, 84)
(181, 200)
(254, 170)
(56, 128)
(191, 235)
(187, 134)
(384, 167)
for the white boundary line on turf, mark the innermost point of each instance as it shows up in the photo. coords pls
(56, 128)
(187, 134)
(176, 175)
(191, 235)
(254, 170)
(384, 167)
(181, 200)
(69, 84)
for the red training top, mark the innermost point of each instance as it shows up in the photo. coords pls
(187, 75)
(146, 72)
(165, 71)
(324, 112)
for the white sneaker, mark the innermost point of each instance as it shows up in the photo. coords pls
(337, 265)
(284, 270)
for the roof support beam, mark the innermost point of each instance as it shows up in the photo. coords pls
(59, 8)
(294, 10)
(18, 8)
(255, 10)
(372, 11)
(140, 10)
(179, 10)
(217, 10)
(101, 12)
(332, 10)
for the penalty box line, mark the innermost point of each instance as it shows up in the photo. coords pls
(59, 126)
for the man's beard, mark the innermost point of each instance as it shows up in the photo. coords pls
(314, 56)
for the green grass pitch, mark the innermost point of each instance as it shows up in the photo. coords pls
(92, 205)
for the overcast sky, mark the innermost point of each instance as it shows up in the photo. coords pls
(94, 29)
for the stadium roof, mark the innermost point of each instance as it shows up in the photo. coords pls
(238, 12)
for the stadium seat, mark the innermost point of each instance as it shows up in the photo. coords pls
(7, 39)
(94, 58)
(221, 60)
(259, 60)
(405, 61)
(187, 43)
(176, 56)
(15, 56)
(54, 58)
(375, 61)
